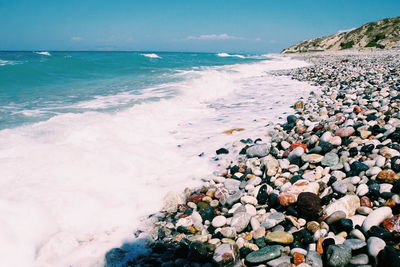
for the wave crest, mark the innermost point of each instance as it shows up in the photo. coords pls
(6, 62)
(229, 55)
(44, 53)
(151, 55)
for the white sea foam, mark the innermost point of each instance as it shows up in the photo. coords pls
(229, 55)
(31, 112)
(3, 62)
(44, 53)
(7, 62)
(110, 101)
(77, 185)
(152, 55)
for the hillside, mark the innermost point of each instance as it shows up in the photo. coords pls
(381, 34)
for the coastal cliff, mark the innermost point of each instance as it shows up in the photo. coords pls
(381, 34)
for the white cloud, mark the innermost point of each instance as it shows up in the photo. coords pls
(76, 38)
(222, 36)
(342, 31)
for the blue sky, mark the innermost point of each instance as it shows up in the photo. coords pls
(179, 25)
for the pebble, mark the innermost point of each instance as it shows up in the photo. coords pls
(364, 210)
(314, 259)
(265, 254)
(375, 245)
(355, 233)
(388, 176)
(376, 217)
(312, 158)
(330, 159)
(348, 204)
(218, 221)
(240, 221)
(249, 200)
(228, 232)
(272, 165)
(171, 202)
(359, 259)
(392, 224)
(258, 150)
(336, 141)
(226, 254)
(279, 237)
(340, 186)
(298, 250)
(335, 216)
(338, 255)
(309, 205)
(390, 257)
(345, 132)
(362, 190)
(273, 219)
(281, 261)
(259, 233)
(354, 244)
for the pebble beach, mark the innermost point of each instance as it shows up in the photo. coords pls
(323, 189)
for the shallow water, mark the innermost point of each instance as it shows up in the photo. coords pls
(76, 181)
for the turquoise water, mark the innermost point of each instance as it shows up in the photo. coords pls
(90, 143)
(37, 86)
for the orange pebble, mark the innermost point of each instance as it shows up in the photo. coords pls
(304, 146)
(298, 258)
(390, 203)
(320, 250)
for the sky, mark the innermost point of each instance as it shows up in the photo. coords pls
(179, 25)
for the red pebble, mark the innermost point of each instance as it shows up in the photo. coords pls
(298, 258)
(196, 197)
(357, 109)
(392, 224)
(318, 127)
(365, 202)
(304, 146)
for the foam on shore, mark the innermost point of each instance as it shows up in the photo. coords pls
(78, 184)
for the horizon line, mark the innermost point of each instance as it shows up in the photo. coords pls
(139, 51)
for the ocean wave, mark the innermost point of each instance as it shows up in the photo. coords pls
(6, 62)
(229, 55)
(31, 112)
(83, 204)
(44, 53)
(151, 55)
(124, 98)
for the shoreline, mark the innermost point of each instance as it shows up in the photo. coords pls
(255, 204)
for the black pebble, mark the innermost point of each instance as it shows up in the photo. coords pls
(222, 151)
(262, 196)
(356, 167)
(395, 162)
(273, 200)
(244, 251)
(295, 178)
(367, 148)
(353, 151)
(345, 225)
(198, 252)
(291, 210)
(389, 257)
(381, 233)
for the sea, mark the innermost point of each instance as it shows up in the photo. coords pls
(91, 142)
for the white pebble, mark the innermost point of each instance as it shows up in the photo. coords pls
(218, 221)
(376, 217)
